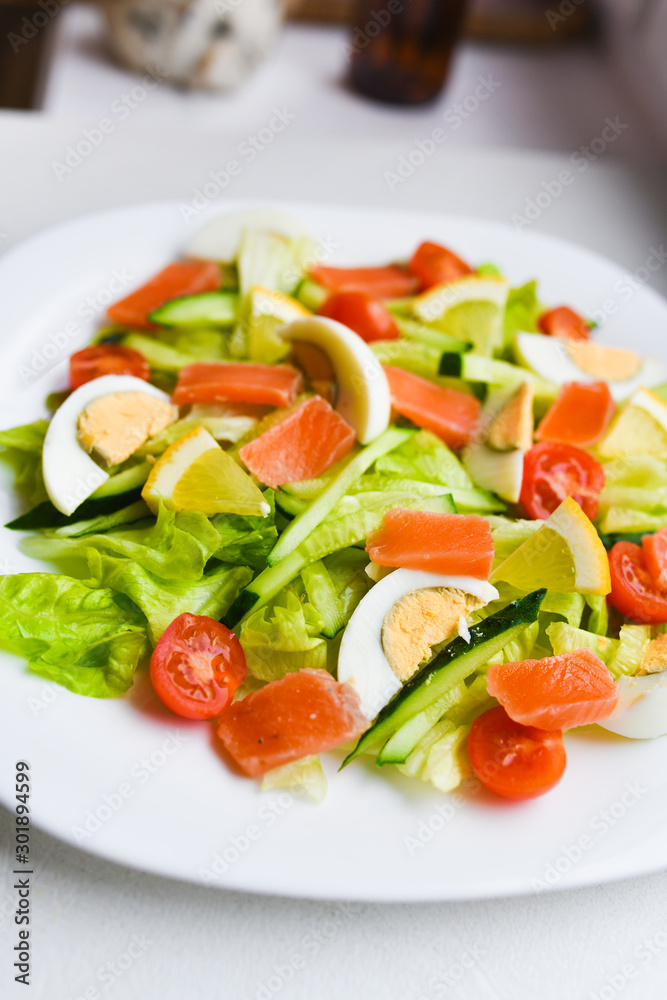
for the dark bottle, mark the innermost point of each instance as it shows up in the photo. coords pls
(401, 49)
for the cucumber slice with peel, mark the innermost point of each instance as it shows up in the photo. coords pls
(204, 309)
(456, 662)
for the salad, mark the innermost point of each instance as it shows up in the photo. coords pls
(406, 511)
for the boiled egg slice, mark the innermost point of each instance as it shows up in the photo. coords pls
(564, 361)
(363, 391)
(394, 622)
(221, 238)
(642, 707)
(70, 474)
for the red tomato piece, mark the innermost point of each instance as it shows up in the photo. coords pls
(580, 416)
(450, 414)
(106, 359)
(211, 382)
(634, 592)
(654, 548)
(454, 544)
(553, 471)
(187, 277)
(302, 713)
(515, 761)
(360, 312)
(556, 692)
(436, 265)
(388, 282)
(197, 666)
(565, 323)
(303, 445)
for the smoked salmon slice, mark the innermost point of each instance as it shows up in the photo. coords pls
(186, 277)
(213, 382)
(450, 414)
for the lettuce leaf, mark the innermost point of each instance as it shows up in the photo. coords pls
(522, 310)
(565, 639)
(283, 638)
(598, 619)
(23, 451)
(305, 777)
(425, 457)
(347, 569)
(440, 757)
(245, 540)
(90, 641)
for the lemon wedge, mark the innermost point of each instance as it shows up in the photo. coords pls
(471, 308)
(565, 554)
(640, 427)
(196, 474)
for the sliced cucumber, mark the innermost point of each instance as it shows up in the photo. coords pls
(451, 666)
(289, 504)
(123, 482)
(157, 354)
(421, 359)
(475, 368)
(322, 595)
(45, 515)
(205, 309)
(302, 525)
(311, 294)
(413, 330)
(402, 743)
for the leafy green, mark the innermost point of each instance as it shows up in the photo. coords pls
(283, 638)
(305, 777)
(632, 642)
(522, 310)
(23, 451)
(246, 540)
(425, 457)
(347, 569)
(440, 757)
(566, 639)
(598, 618)
(90, 641)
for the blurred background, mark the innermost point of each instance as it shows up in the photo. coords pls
(561, 66)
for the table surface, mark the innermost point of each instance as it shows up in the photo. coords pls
(193, 942)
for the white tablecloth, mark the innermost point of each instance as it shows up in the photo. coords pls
(101, 931)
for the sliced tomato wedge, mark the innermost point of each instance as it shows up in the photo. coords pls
(565, 323)
(197, 666)
(106, 359)
(512, 760)
(654, 548)
(580, 416)
(450, 414)
(187, 277)
(367, 316)
(634, 592)
(553, 471)
(388, 282)
(210, 382)
(433, 264)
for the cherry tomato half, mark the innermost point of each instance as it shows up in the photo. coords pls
(436, 265)
(552, 471)
(106, 359)
(565, 323)
(515, 761)
(633, 591)
(365, 315)
(197, 666)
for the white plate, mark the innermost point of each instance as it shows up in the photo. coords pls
(125, 780)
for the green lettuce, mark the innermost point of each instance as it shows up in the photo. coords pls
(565, 639)
(23, 451)
(522, 310)
(440, 757)
(245, 540)
(425, 457)
(283, 638)
(90, 641)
